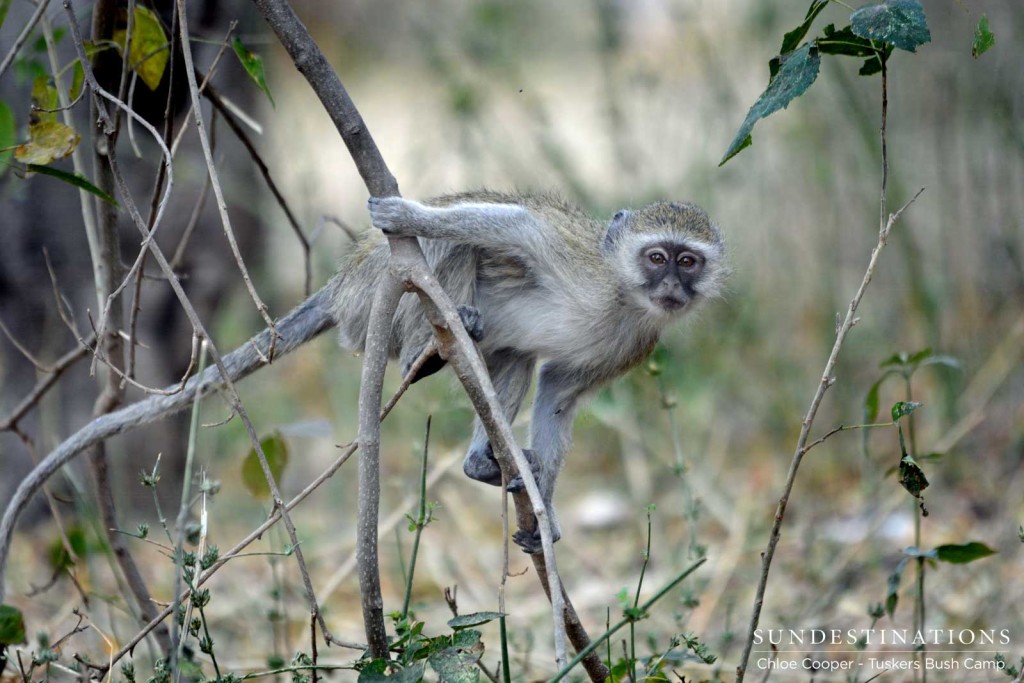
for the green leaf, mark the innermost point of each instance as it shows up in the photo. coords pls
(44, 96)
(844, 42)
(12, 626)
(948, 361)
(918, 356)
(4, 6)
(276, 451)
(253, 65)
(892, 595)
(150, 51)
(376, 672)
(912, 476)
(894, 360)
(48, 141)
(871, 401)
(962, 554)
(474, 619)
(7, 133)
(797, 73)
(76, 179)
(984, 39)
(903, 408)
(58, 554)
(77, 79)
(791, 40)
(455, 665)
(897, 22)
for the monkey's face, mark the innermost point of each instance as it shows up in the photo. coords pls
(671, 271)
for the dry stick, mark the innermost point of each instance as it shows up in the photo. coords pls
(453, 341)
(805, 427)
(222, 207)
(109, 341)
(246, 141)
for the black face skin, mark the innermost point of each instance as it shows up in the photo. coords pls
(671, 270)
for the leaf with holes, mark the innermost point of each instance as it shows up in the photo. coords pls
(253, 65)
(457, 664)
(48, 141)
(984, 39)
(150, 51)
(798, 71)
(897, 22)
(276, 451)
(962, 554)
(912, 477)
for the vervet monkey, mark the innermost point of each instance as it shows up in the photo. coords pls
(536, 275)
(538, 279)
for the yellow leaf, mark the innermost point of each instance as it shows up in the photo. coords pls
(48, 140)
(149, 51)
(44, 96)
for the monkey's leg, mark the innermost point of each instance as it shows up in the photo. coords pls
(474, 325)
(511, 373)
(554, 408)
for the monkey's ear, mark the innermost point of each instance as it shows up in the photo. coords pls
(617, 226)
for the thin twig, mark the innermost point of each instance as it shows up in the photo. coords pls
(236, 551)
(43, 385)
(246, 141)
(26, 31)
(801, 449)
(222, 207)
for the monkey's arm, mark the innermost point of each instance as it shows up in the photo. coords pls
(496, 226)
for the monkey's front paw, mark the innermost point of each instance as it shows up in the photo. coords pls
(531, 543)
(391, 215)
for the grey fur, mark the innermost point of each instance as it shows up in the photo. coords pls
(549, 283)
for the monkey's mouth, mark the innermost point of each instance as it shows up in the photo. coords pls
(671, 302)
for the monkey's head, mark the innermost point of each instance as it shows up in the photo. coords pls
(669, 256)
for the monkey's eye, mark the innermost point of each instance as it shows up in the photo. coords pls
(657, 258)
(688, 261)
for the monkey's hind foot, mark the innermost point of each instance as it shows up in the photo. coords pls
(531, 543)
(481, 465)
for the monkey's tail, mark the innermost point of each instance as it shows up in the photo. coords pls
(305, 322)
